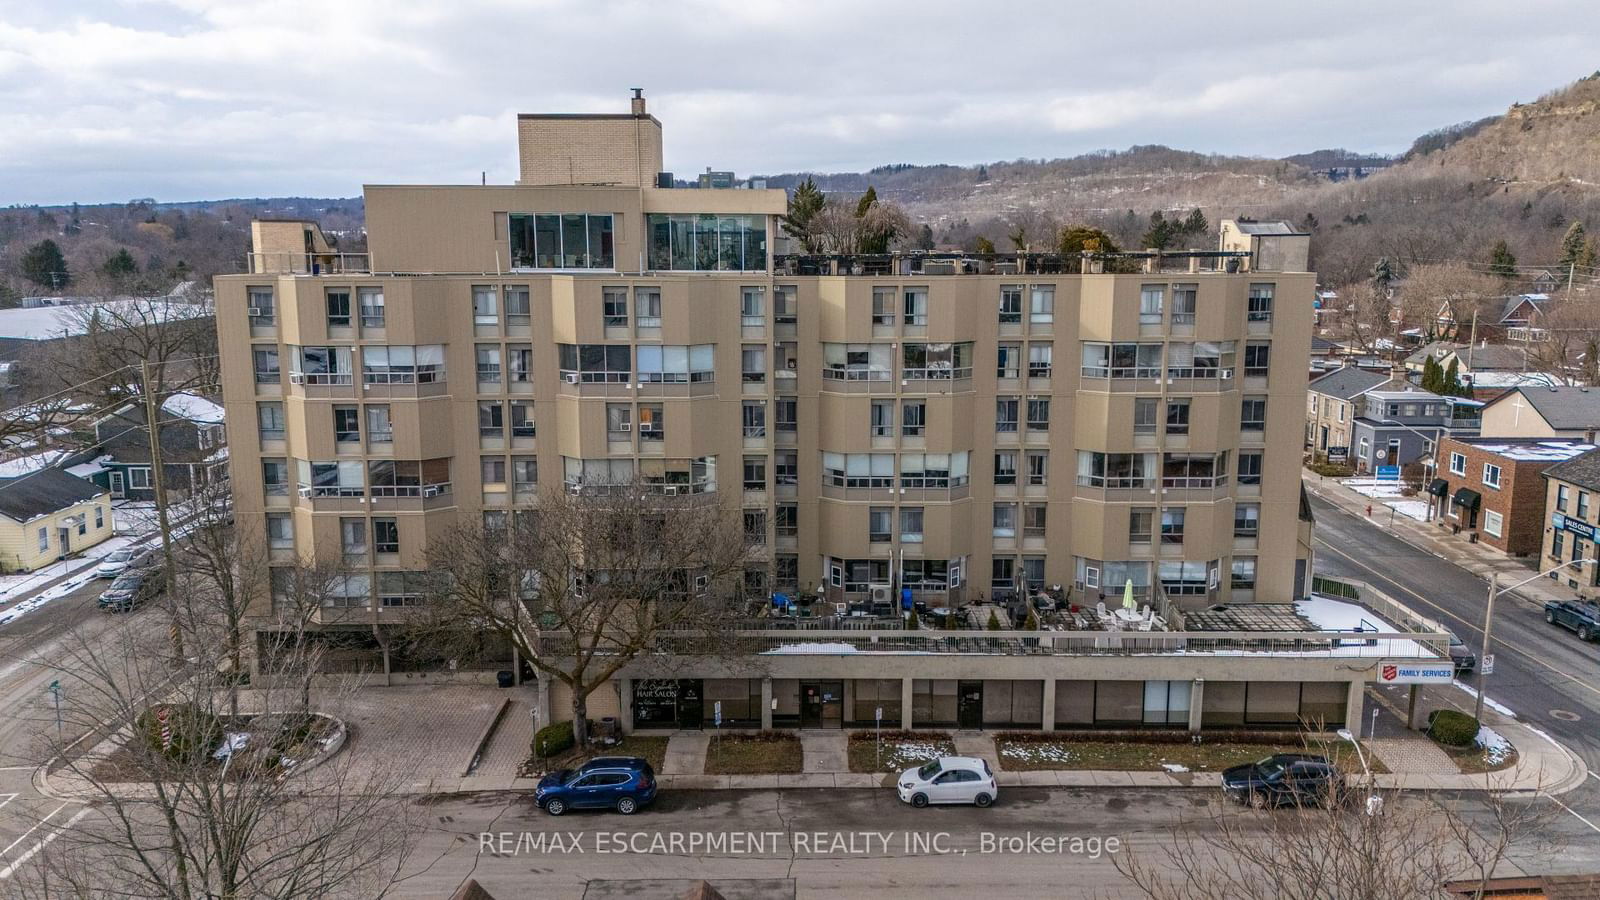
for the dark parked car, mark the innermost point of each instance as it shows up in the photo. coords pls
(129, 592)
(1582, 616)
(1462, 655)
(622, 783)
(1297, 779)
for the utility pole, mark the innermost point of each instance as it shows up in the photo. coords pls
(1488, 623)
(152, 410)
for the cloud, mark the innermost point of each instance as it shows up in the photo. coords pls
(185, 99)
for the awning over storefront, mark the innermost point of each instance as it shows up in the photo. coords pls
(1438, 487)
(1467, 498)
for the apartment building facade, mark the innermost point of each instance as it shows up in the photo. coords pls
(960, 429)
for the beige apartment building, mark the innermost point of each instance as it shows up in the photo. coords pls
(963, 428)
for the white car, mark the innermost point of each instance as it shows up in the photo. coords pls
(115, 563)
(948, 779)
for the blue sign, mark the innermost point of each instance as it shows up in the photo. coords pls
(1576, 526)
(905, 598)
(1388, 473)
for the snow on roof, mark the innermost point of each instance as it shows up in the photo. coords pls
(22, 465)
(45, 323)
(194, 408)
(1531, 451)
(1513, 379)
(90, 469)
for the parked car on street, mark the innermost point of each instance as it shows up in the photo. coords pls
(1462, 655)
(623, 783)
(1582, 616)
(129, 592)
(1285, 779)
(118, 561)
(948, 779)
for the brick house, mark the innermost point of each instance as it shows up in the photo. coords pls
(1492, 489)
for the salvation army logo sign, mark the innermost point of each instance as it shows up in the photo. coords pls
(1390, 673)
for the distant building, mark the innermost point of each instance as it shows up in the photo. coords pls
(1559, 411)
(1331, 408)
(1434, 350)
(48, 515)
(1572, 519)
(1276, 246)
(1489, 489)
(1400, 427)
(194, 448)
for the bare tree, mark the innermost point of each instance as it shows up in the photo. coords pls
(114, 336)
(1365, 316)
(1569, 339)
(589, 582)
(1443, 297)
(1408, 851)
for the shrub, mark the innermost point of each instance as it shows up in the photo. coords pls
(194, 732)
(1331, 470)
(867, 737)
(1451, 728)
(553, 739)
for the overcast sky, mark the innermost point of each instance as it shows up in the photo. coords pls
(108, 100)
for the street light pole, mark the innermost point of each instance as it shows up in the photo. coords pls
(1488, 621)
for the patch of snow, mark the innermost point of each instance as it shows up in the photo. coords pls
(1329, 614)
(1411, 509)
(1496, 748)
(1031, 752)
(1500, 708)
(814, 648)
(23, 465)
(1174, 767)
(194, 408)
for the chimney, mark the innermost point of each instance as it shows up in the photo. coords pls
(638, 102)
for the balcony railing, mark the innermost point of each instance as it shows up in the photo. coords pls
(927, 263)
(286, 263)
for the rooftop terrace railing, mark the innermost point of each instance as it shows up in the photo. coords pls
(1019, 263)
(308, 263)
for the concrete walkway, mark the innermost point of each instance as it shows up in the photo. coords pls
(824, 752)
(686, 753)
(978, 744)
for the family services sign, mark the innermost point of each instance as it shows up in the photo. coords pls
(1416, 673)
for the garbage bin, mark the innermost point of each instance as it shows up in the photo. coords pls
(504, 678)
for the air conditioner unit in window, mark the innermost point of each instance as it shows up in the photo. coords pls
(430, 490)
(570, 378)
(305, 492)
(700, 582)
(881, 593)
(297, 378)
(625, 426)
(254, 312)
(670, 490)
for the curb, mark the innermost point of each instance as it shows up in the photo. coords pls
(485, 736)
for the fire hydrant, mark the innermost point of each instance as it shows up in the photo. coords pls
(1369, 510)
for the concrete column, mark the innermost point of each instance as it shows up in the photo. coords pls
(625, 704)
(907, 693)
(1352, 706)
(766, 704)
(1411, 706)
(541, 700)
(1048, 722)
(1197, 699)
(516, 665)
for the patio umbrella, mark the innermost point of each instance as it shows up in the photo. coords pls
(1127, 596)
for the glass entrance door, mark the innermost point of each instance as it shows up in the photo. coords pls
(822, 704)
(969, 706)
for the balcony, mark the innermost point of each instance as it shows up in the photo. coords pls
(285, 263)
(921, 263)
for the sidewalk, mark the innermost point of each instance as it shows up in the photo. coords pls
(1479, 559)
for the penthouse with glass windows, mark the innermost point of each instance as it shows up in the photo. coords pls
(965, 428)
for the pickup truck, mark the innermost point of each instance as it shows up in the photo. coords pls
(1580, 616)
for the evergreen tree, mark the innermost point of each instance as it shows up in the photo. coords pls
(120, 265)
(983, 244)
(44, 265)
(1196, 224)
(911, 621)
(1032, 623)
(983, 174)
(804, 207)
(1309, 223)
(1572, 245)
(1430, 374)
(866, 201)
(8, 297)
(994, 621)
(1502, 261)
(1452, 386)
(1159, 234)
(1382, 273)
(925, 238)
(1018, 237)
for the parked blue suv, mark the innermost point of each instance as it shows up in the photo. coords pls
(622, 783)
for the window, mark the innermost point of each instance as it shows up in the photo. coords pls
(1202, 359)
(599, 363)
(370, 301)
(275, 476)
(522, 419)
(858, 470)
(857, 362)
(652, 422)
(1008, 363)
(1260, 303)
(786, 414)
(933, 470)
(1034, 516)
(878, 524)
(1183, 303)
(786, 519)
(338, 308)
(1172, 525)
(755, 418)
(916, 306)
(1247, 520)
(1038, 413)
(911, 524)
(753, 364)
(346, 424)
(755, 473)
(1039, 356)
(524, 473)
(485, 305)
(882, 418)
(1493, 522)
(385, 535)
(1010, 303)
(1253, 414)
(139, 477)
(1185, 578)
(1002, 574)
(647, 307)
(1121, 360)
(1555, 545)
(786, 571)
(263, 311)
(786, 468)
(266, 365)
(1491, 475)
(1005, 467)
(491, 420)
(402, 365)
(99, 517)
(936, 362)
(707, 242)
(1256, 359)
(44, 540)
(614, 307)
(1561, 491)
(280, 531)
(517, 308)
(407, 588)
(1244, 573)
(913, 417)
(1041, 304)
(1458, 464)
(342, 478)
(561, 241)
(1583, 504)
(1038, 467)
(520, 360)
(488, 363)
(1116, 470)
(1150, 301)
(1177, 417)
(1005, 415)
(493, 469)
(269, 418)
(619, 421)
(353, 536)
(1144, 414)
(752, 307)
(1141, 522)
(755, 526)
(784, 304)
(1005, 520)
(83, 525)
(1192, 470)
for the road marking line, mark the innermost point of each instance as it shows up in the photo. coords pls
(1569, 809)
(45, 842)
(7, 798)
(37, 825)
(1527, 655)
(17, 768)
